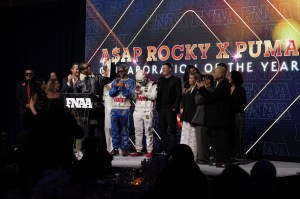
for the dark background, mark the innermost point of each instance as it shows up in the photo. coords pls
(44, 35)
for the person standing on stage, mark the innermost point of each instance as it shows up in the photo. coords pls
(24, 93)
(69, 86)
(92, 84)
(238, 100)
(109, 74)
(122, 91)
(145, 94)
(53, 90)
(53, 75)
(188, 106)
(219, 100)
(169, 93)
(69, 82)
(201, 119)
(38, 102)
(189, 69)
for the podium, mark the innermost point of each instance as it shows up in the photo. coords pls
(81, 106)
(88, 110)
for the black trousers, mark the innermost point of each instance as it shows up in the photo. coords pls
(203, 136)
(167, 120)
(221, 144)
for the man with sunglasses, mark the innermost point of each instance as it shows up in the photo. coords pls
(25, 90)
(92, 84)
(122, 91)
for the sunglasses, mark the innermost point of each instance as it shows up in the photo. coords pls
(85, 68)
(121, 71)
(28, 74)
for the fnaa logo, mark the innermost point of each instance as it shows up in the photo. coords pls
(79, 103)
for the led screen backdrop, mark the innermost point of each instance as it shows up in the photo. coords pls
(259, 38)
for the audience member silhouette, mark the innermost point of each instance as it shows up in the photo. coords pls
(233, 182)
(49, 143)
(58, 184)
(264, 174)
(181, 178)
(96, 162)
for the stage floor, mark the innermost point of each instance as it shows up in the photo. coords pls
(283, 168)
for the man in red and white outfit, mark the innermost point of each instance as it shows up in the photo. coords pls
(145, 95)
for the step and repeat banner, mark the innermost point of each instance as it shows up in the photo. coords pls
(259, 38)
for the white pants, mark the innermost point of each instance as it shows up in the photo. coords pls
(107, 128)
(143, 120)
(188, 137)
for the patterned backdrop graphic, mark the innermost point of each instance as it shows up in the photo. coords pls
(259, 38)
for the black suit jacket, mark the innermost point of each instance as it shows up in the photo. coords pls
(174, 93)
(21, 92)
(93, 85)
(66, 88)
(220, 106)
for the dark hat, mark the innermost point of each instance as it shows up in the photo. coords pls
(123, 67)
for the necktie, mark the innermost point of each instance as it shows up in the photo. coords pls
(28, 92)
(88, 84)
(74, 86)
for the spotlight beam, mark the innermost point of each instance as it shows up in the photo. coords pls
(145, 24)
(98, 16)
(111, 31)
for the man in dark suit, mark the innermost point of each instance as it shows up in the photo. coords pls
(68, 83)
(219, 116)
(69, 86)
(25, 90)
(169, 92)
(93, 84)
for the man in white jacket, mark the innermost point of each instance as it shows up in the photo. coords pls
(145, 95)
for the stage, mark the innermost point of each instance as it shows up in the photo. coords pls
(283, 168)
